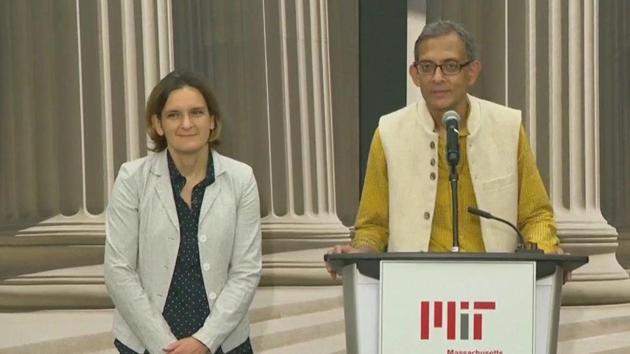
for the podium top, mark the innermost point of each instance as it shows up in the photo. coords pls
(369, 263)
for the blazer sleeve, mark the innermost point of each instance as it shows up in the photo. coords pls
(121, 277)
(244, 271)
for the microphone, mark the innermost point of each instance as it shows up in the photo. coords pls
(450, 120)
(521, 240)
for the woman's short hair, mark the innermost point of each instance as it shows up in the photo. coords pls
(158, 97)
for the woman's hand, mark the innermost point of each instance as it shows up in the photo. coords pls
(188, 345)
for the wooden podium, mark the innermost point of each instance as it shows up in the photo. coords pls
(452, 303)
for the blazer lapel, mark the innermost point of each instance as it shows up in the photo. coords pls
(209, 196)
(164, 189)
(213, 190)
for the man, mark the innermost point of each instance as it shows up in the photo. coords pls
(406, 201)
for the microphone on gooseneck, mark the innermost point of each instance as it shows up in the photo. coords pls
(521, 247)
(450, 120)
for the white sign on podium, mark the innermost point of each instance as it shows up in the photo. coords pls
(457, 307)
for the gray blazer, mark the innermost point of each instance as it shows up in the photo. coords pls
(142, 244)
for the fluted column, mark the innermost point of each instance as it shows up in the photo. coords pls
(73, 108)
(306, 209)
(305, 216)
(269, 62)
(574, 155)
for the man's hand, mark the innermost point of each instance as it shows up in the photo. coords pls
(344, 249)
(188, 345)
(566, 275)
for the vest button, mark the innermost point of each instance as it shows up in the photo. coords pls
(432, 145)
(432, 162)
(427, 216)
(432, 176)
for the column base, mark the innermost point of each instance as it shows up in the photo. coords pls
(596, 292)
(623, 251)
(57, 263)
(68, 288)
(294, 248)
(302, 232)
(296, 268)
(602, 280)
(55, 243)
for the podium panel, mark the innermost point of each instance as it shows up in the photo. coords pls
(457, 307)
(365, 284)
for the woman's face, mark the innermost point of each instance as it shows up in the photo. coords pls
(185, 121)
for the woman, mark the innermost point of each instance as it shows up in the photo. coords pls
(182, 254)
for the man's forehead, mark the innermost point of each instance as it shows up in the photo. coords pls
(449, 45)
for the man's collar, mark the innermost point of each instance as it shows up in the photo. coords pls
(472, 120)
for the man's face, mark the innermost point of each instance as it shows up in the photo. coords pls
(443, 92)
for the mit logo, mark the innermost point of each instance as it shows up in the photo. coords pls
(451, 314)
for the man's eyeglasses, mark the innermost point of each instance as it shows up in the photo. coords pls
(449, 67)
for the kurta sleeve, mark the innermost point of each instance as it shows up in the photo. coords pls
(372, 223)
(535, 214)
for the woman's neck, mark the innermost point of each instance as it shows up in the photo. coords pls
(192, 166)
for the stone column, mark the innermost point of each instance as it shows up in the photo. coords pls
(305, 216)
(270, 65)
(72, 110)
(574, 154)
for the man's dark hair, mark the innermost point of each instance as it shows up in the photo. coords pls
(442, 28)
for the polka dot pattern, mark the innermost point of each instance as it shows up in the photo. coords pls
(186, 306)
